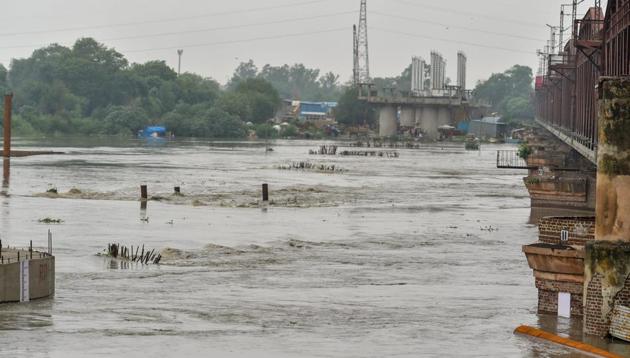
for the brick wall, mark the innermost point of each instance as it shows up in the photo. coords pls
(581, 229)
(548, 296)
(623, 297)
(593, 322)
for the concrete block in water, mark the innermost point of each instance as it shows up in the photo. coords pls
(41, 279)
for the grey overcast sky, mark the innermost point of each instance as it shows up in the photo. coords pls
(217, 35)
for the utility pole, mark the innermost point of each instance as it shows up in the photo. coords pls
(574, 16)
(355, 57)
(562, 28)
(552, 42)
(179, 61)
(362, 44)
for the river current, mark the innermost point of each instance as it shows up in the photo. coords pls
(415, 256)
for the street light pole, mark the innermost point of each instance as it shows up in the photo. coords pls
(179, 62)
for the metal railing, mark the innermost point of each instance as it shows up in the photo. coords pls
(590, 29)
(509, 159)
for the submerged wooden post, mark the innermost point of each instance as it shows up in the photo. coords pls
(177, 190)
(265, 192)
(143, 192)
(6, 171)
(8, 101)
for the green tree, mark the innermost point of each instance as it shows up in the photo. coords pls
(508, 92)
(4, 85)
(244, 71)
(157, 69)
(124, 120)
(235, 103)
(351, 112)
(261, 97)
(196, 89)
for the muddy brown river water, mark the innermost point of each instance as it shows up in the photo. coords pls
(416, 256)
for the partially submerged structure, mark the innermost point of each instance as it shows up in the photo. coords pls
(582, 265)
(26, 274)
(488, 128)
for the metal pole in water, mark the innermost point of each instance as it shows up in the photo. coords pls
(143, 192)
(177, 190)
(49, 243)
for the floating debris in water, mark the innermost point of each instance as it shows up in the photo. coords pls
(52, 191)
(330, 168)
(124, 253)
(370, 153)
(48, 220)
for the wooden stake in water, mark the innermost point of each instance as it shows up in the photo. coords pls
(265, 192)
(143, 192)
(8, 101)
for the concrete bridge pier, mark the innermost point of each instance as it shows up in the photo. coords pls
(444, 117)
(419, 113)
(408, 117)
(387, 124)
(607, 258)
(428, 122)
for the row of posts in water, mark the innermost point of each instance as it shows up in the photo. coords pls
(379, 144)
(123, 252)
(332, 150)
(144, 192)
(29, 253)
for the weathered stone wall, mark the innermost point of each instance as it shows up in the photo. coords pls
(594, 322)
(613, 180)
(606, 272)
(607, 258)
(581, 229)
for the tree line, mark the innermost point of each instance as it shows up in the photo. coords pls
(91, 89)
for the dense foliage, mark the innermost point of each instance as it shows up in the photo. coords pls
(352, 112)
(92, 89)
(509, 93)
(295, 82)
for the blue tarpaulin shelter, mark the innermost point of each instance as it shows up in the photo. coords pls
(152, 131)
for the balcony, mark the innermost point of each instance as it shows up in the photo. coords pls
(590, 33)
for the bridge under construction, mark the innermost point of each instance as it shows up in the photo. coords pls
(430, 105)
(431, 102)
